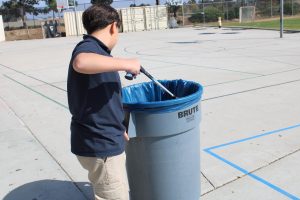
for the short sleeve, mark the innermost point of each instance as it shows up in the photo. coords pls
(85, 47)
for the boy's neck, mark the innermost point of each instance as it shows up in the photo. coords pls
(104, 37)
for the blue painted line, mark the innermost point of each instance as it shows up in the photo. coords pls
(274, 187)
(253, 137)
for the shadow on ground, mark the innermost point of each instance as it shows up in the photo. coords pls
(231, 33)
(206, 33)
(51, 190)
(185, 42)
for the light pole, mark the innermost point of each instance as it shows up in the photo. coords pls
(281, 18)
(271, 8)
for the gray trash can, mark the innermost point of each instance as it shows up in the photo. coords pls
(163, 154)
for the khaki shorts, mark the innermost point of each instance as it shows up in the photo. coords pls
(108, 176)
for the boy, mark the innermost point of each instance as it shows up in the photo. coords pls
(94, 96)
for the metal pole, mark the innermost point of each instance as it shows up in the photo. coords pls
(59, 25)
(271, 8)
(182, 15)
(292, 7)
(281, 18)
(33, 21)
(203, 14)
(227, 11)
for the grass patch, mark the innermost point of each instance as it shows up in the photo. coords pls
(289, 24)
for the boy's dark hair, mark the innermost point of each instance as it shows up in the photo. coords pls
(98, 17)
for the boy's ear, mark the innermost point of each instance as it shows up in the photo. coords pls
(113, 28)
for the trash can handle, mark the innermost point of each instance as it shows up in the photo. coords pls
(129, 76)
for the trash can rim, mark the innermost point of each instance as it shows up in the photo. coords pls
(170, 102)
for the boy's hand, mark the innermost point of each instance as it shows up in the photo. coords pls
(126, 136)
(132, 66)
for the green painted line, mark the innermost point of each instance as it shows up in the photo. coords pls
(29, 88)
(32, 77)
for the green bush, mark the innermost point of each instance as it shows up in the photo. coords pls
(233, 13)
(296, 8)
(211, 15)
(289, 10)
(198, 17)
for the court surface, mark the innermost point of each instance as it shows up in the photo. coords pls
(250, 128)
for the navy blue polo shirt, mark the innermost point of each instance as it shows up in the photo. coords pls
(95, 104)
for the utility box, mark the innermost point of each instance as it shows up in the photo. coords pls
(156, 17)
(72, 28)
(133, 19)
(2, 33)
(144, 18)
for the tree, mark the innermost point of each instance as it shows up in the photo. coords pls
(105, 2)
(173, 7)
(191, 2)
(51, 6)
(142, 4)
(17, 9)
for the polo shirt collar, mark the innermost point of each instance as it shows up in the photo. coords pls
(104, 47)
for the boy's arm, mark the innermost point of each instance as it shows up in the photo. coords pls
(92, 63)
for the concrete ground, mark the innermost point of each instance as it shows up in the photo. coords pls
(250, 128)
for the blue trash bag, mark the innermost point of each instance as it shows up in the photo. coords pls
(151, 98)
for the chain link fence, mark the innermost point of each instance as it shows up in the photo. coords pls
(189, 14)
(36, 22)
(202, 13)
(43, 22)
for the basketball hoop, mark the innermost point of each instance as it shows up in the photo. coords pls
(62, 4)
(60, 8)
